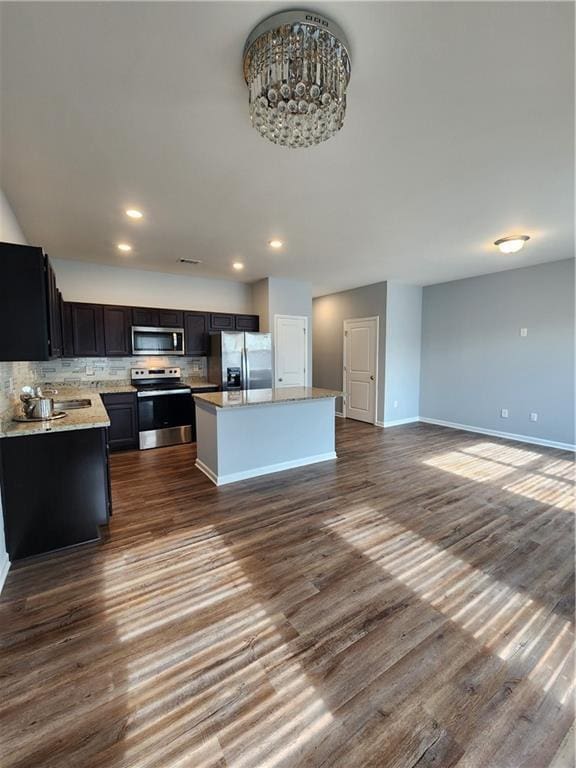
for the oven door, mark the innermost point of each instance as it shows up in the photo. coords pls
(165, 418)
(157, 341)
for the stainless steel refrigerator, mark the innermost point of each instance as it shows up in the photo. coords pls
(240, 360)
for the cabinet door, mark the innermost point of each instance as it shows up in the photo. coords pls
(144, 316)
(123, 414)
(196, 333)
(87, 330)
(54, 317)
(117, 331)
(67, 332)
(220, 322)
(247, 322)
(170, 318)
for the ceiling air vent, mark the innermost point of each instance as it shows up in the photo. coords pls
(190, 261)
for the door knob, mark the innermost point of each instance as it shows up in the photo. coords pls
(371, 378)
(279, 379)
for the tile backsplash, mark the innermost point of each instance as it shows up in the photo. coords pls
(13, 376)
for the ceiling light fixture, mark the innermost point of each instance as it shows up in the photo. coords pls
(238, 265)
(133, 213)
(190, 261)
(297, 68)
(275, 244)
(512, 244)
(124, 247)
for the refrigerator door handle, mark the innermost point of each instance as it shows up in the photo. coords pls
(246, 369)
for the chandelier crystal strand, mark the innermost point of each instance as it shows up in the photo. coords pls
(297, 68)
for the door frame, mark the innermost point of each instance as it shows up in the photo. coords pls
(344, 329)
(306, 351)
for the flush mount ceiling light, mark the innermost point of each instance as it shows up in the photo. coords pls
(297, 68)
(133, 213)
(275, 244)
(124, 247)
(190, 261)
(512, 244)
(238, 265)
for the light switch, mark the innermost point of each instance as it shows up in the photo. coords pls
(523, 331)
(504, 413)
(533, 416)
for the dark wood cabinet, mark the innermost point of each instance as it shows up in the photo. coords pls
(170, 318)
(66, 498)
(86, 329)
(122, 409)
(29, 306)
(157, 318)
(196, 333)
(222, 322)
(117, 323)
(247, 322)
(145, 316)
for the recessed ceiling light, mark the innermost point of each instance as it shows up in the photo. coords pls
(512, 244)
(133, 213)
(124, 247)
(275, 243)
(238, 265)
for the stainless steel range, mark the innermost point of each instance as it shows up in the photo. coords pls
(165, 407)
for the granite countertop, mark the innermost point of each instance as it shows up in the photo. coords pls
(110, 387)
(81, 418)
(265, 396)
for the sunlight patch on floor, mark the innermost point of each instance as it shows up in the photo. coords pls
(549, 482)
(202, 657)
(505, 621)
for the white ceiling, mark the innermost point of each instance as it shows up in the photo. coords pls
(459, 130)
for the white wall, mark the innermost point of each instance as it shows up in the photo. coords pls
(101, 284)
(403, 345)
(281, 296)
(10, 231)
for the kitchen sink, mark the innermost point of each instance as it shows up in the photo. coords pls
(70, 405)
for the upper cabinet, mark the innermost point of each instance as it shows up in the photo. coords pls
(247, 322)
(170, 318)
(87, 330)
(29, 305)
(145, 316)
(117, 337)
(222, 322)
(196, 334)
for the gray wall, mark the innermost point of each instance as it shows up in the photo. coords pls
(403, 343)
(474, 361)
(328, 333)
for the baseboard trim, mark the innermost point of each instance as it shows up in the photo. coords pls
(267, 470)
(398, 422)
(504, 435)
(339, 414)
(4, 568)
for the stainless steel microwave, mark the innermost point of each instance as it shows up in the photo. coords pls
(157, 341)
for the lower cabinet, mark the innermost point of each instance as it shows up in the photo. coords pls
(55, 490)
(122, 411)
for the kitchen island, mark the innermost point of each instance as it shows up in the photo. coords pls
(256, 432)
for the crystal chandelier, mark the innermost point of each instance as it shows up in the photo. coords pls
(297, 68)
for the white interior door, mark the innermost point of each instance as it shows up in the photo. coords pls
(290, 350)
(360, 368)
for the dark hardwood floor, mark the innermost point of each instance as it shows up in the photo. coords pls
(409, 605)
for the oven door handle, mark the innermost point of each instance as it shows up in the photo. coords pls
(163, 392)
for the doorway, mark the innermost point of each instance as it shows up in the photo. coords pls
(360, 374)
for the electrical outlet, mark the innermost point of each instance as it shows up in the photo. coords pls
(533, 416)
(523, 331)
(504, 413)
(395, 403)
(11, 386)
